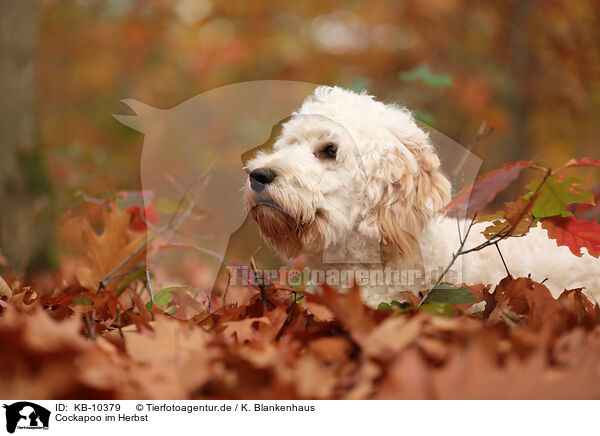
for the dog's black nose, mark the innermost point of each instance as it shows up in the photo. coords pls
(261, 177)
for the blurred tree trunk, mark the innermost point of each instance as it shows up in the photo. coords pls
(519, 70)
(519, 105)
(23, 185)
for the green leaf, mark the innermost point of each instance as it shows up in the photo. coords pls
(447, 293)
(394, 306)
(556, 193)
(161, 299)
(400, 305)
(428, 77)
(386, 307)
(436, 309)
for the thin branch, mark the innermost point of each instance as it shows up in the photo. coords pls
(118, 319)
(90, 325)
(150, 291)
(481, 134)
(452, 262)
(173, 182)
(226, 287)
(173, 223)
(502, 257)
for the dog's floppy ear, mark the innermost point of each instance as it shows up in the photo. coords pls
(413, 187)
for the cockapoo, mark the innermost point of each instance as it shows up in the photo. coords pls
(353, 184)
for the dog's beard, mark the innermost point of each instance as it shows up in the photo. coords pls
(286, 234)
(278, 228)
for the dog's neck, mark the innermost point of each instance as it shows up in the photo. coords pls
(358, 252)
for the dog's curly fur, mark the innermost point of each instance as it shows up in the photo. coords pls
(376, 203)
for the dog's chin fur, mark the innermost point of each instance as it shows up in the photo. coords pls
(284, 233)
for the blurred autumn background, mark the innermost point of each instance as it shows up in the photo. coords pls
(528, 69)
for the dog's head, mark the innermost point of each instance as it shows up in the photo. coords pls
(345, 165)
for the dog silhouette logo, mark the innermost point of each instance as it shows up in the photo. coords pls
(191, 152)
(26, 415)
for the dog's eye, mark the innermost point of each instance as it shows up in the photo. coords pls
(327, 151)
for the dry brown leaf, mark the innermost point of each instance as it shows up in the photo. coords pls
(24, 298)
(268, 331)
(331, 349)
(577, 303)
(314, 379)
(349, 310)
(408, 377)
(529, 299)
(5, 290)
(45, 334)
(107, 250)
(320, 312)
(169, 343)
(392, 336)
(243, 329)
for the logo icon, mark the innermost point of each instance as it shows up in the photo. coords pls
(26, 415)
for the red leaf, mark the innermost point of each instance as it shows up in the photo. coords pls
(476, 196)
(141, 217)
(575, 234)
(585, 162)
(587, 211)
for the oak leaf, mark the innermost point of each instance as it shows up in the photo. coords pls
(105, 251)
(349, 310)
(243, 329)
(574, 234)
(556, 194)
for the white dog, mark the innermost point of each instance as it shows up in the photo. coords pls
(354, 184)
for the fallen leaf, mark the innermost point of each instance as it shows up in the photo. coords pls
(105, 251)
(5, 290)
(243, 329)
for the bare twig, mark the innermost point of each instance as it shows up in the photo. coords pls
(226, 287)
(502, 257)
(150, 291)
(172, 225)
(173, 182)
(458, 227)
(118, 318)
(90, 325)
(260, 280)
(452, 262)
(481, 134)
